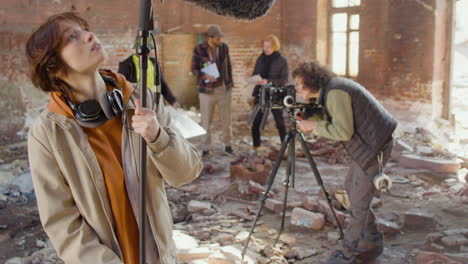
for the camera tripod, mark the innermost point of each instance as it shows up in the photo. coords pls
(290, 140)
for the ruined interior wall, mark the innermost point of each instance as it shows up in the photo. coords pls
(243, 39)
(403, 57)
(411, 50)
(401, 46)
(300, 22)
(441, 45)
(23, 102)
(374, 44)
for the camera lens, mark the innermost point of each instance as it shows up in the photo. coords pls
(288, 101)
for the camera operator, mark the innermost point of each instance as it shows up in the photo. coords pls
(273, 68)
(353, 116)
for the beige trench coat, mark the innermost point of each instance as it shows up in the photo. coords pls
(72, 199)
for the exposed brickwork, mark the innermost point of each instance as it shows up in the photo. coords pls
(401, 56)
(411, 58)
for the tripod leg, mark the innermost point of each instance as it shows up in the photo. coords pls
(319, 180)
(293, 160)
(289, 161)
(289, 172)
(254, 114)
(265, 117)
(271, 179)
(272, 176)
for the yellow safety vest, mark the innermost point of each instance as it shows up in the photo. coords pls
(150, 72)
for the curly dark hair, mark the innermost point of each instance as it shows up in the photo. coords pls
(314, 75)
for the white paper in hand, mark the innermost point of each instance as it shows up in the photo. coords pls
(211, 70)
(184, 125)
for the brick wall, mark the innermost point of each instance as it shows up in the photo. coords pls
(411, 50)
(176, 57)
(112, 21)
(401, 56)
(243, 38)
(286, 20)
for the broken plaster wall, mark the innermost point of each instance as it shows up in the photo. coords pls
(401, 47)
(115, 27)
(286, 20)
(401, 54)
(416, 59)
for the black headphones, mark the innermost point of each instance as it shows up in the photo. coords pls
(94, 113)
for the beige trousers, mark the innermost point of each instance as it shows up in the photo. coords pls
(222, 98)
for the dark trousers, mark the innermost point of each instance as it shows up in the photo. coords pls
(360, 188)
(279, 120)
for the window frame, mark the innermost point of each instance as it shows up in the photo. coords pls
(349, 11)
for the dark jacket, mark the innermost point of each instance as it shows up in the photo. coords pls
(373, 125)
(127, 69)
(201, 56)
(274, 68)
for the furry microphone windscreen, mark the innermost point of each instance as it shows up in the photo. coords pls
(240, 9)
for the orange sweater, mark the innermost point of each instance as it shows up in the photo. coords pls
(106, 142)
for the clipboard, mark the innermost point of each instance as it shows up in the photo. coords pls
(211, 70)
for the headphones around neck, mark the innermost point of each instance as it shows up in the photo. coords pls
(94, 113)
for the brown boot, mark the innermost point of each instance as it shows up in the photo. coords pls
(370, 246)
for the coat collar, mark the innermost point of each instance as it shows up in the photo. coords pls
(58, 110)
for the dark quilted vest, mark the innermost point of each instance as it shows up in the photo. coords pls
(373, 125)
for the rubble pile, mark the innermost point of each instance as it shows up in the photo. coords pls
(417, 151)
(449, 246)
(331, 151)
(220, 239)
(423, 217)
(256, 169)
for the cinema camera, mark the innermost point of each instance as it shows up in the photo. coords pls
(285, 98)
(271, 97)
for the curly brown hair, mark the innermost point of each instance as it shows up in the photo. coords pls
(314, 75)
(43, 52)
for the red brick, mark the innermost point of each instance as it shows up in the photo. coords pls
(425, 257)
(225, 239)
(324, 208)
(454, 240)
(462, 257)
(294, 204)
(255, 187)
(311, 203)
(418, 219)
(274, 205)
(260, 174)
(388, 227)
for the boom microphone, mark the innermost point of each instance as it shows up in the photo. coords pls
(239, 9)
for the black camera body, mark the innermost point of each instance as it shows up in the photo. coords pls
(271, 97)
(310, 109)
(276, 97)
